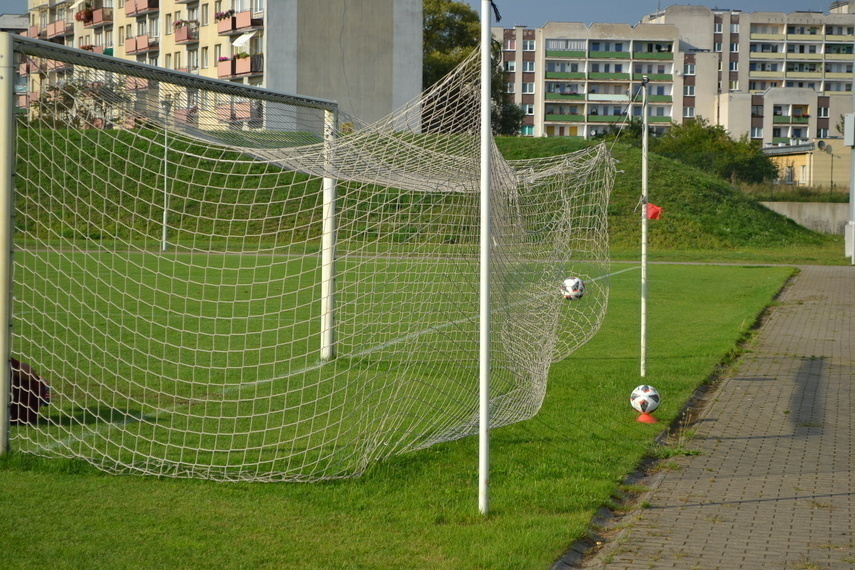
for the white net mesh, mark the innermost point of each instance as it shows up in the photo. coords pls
(170, 281)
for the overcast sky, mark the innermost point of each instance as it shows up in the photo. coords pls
(535, 13)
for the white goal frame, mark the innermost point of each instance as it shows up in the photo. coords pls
(9, 45)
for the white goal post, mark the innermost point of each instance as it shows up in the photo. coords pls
(224, 282)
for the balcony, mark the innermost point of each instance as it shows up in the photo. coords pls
(138, 84)
(618, 76)
(659, 98)
(565, 75)
(57, 66)
(27, 99)
(240, 112)
(653, 76)
(241, 67)
(36, 32)
(100, 17)
(604, 118)
(141, 44)
(609, 55)
(188, 116)
(766, 55)
(565, 96)
(608, 97)
(141, 7)
(244, 22)
(31, 65)
(666, 55)
(59, 28)
(187, 33)
(565, 118)
(566, 54)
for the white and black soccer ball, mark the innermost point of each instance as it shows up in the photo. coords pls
(573, 288)
(645, 399)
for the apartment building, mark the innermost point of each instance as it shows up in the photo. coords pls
(778, 78)
(365, 55)
(575, 80)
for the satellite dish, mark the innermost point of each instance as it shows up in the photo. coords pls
(827, 148)
(821, 145)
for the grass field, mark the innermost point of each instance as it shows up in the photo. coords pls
(548, 475)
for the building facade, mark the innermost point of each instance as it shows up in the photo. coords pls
(366, 56)
(777, 78)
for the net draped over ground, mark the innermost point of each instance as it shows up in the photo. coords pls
(168, 273)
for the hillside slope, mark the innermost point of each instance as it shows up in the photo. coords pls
(700, 211)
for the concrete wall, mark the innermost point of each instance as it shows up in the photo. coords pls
(826, 218)
(365, 55)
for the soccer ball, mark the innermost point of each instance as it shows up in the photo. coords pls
(645, 399)
(573, 288)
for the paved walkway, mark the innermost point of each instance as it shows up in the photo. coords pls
(774, 485)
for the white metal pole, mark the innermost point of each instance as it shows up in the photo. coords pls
(328, 244)
(644, 222)
(849, 231)
(7, 190)
(484, 334)
(165, 180)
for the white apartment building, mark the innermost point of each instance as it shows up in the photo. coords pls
(365, 55)
(777, 78)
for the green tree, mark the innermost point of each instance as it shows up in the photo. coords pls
(710, 147)
(451, 32)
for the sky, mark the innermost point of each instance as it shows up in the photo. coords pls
(535, 13)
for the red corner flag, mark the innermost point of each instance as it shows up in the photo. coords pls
(653, 211)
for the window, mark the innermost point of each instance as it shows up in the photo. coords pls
(154, 27)
(734, 28)
(734, 66)
(167, 59)
(756, 110)
(734, 47)
(257, 6)
(204, 15)
(717, 46)
(218, 52)
(168, 25)
(528, 88)
(203, 60)
(688, 112)
(192, 59)
(822, 112)
(177, 60)
(528, 66)
(756, 132)
(689, 69)
(121, 36)
(510, 88)
(822, 133)
(689, 90)
(528, 130)
(529, 109)
(528, 45)
(733, 85)
(717, 28)
(510, 66)
(510, 45)
(618, 68)
(218, 6)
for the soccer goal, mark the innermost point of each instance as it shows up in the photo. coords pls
(224, 282)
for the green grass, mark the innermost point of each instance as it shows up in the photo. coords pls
(704, 218)
(548, 475)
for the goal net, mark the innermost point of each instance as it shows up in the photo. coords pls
(223, 282)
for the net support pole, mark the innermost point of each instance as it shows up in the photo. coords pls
(644, 222)
(7, 189)
(328, 244)
(484, 311)
(165, 236)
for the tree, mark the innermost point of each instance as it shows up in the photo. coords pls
(452, 30)
(710, 147)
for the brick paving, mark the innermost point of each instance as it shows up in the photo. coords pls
(774, 484)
